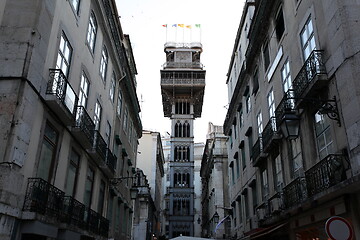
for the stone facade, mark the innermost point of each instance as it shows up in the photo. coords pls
(69, 120)
(215, 186)
(294, 67)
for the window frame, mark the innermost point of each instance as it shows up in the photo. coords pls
(91, 32)
(64, 55)
(84, 90)
(104, 61)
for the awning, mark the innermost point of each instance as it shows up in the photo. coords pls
(266, 231)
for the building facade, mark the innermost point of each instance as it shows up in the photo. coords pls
(69, 121)
(215, 186)
(292, 119)
(182, 88)
(151, 161)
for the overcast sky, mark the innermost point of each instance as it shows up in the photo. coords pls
(143, 20)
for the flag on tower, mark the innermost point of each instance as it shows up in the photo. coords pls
(188, 26)
(181, 25)
(174, 25)
(197, 25)
(164, 25)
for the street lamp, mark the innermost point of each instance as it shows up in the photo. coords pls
(216, 217)
(133, 193)
(290, 125)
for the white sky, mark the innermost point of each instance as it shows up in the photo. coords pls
(143, 20)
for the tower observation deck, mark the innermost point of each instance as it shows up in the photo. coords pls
(182, 89)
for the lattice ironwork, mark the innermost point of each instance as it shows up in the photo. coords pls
(110, 160)
(43, 198)
(100, 145)
(312, 67)
(269, 132)
(73, 212)
(325, 174)
(295, 192)
(85, 123)
(60, 87)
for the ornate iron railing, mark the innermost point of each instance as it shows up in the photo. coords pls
(269, 131)
(325, 174)
(110, 160)
(85, 123)
(287, 104)
(183, 65)
(99, 144)
(42, 197)
(60, 87)
(313, 66)
(73, 212)
(295, 192)
(257, 148)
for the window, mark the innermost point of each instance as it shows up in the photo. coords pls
(248, 103)
(103, 63)
(101, 197)
(75, 4)
(271, 103)
(92, 30)
(112, 88)
(296, 156)
(243, 159)
(307, 39)
(47, 153)
(254, 197)
(84, 90)
(110, 209)
(323, 135)
(246, 204)
(280, 25)
(255, 81)
(279, 180)
(259, 123)
(241, 118)
(108, 133)
(72, 173)
(250, 142)
(232, 173)
(182, 107)
(235, 129)
(97, 115)
(125, 123)
(265, 185)
(119, 104)
(64, 55)
(89, 183)
(266, 55)
(240, 209)
(237, 161)
(286, 76)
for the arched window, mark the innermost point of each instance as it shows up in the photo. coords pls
(177, 129)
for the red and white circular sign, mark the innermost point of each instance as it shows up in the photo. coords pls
(338, 228)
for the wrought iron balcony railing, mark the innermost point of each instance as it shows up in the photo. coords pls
(60, 87)
(43, 198)
(182, 78)
(269, 133)
(110, 160)
(99, 145)
(295, 192)
(287, 104)
(84, 122)
(257, 148)
(73, 212)
(183, 65)
(312, 67)
(325, 174)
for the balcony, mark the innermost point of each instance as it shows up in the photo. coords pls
(185, 79)
(47, 200)
(311, 77)
(257, 152)
(110, 162)
(83, 130)
(61, 97)
(295, 192)
(98, 149)
(270, 135)
(325, 174)
(183, 65)
(43, 198)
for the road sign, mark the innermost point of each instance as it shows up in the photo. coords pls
(338, 228)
